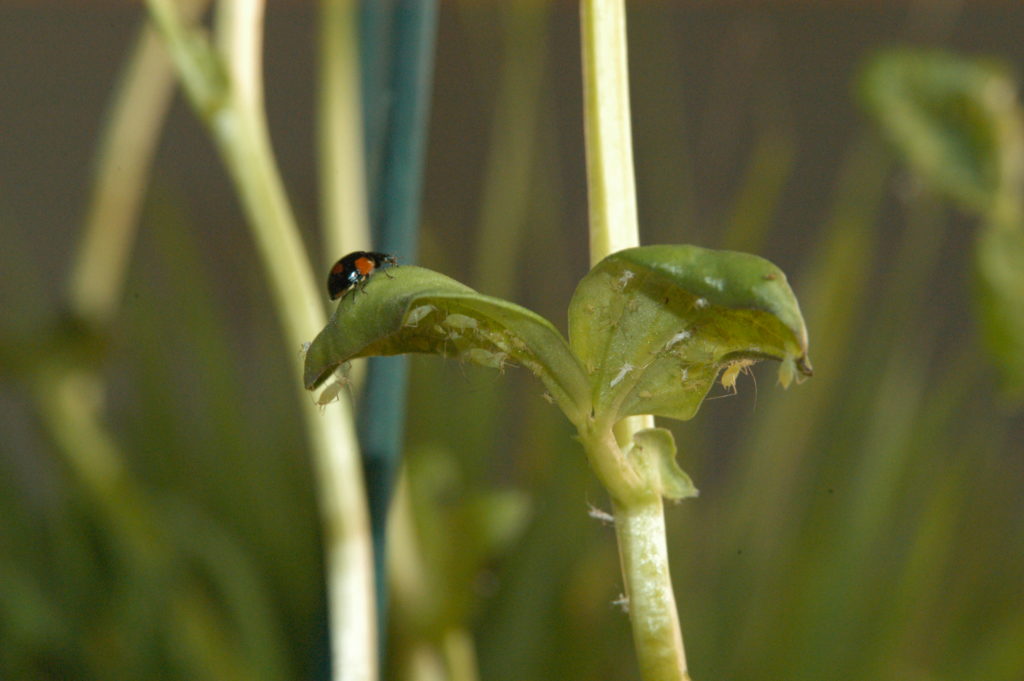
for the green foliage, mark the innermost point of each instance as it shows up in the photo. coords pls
(651, 328)
(654, 325)
(866, 526)
(958, 123)
(411, 309)
(955, 119)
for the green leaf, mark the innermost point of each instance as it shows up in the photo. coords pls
(653, 455)
(959, 124)
(411, 309)
(654, 325)
(956, 121)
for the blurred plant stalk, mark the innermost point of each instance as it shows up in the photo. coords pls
(70, 390)
(122, 175)
(71, 394)
(340, 125)
(223, 80)
(611, 191)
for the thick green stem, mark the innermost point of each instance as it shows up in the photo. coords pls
(640, 529)
(611, 189)
(613, 226)
(610, 464)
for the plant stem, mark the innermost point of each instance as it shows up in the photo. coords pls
(70, 396)
(225, 87)
(611, 189)
(67, 404)
(122, 172)
(640, 530)
(344, 221)
(639, 520)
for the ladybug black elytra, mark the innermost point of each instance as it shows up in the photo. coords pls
(354, 269)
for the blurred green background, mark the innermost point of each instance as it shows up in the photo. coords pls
(868, 524)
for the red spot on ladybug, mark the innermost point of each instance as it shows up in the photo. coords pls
(365, 266)
(354, 270)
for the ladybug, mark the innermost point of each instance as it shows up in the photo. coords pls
(354, 269)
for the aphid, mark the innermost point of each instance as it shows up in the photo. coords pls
(355, 269)
(486, 358)
(626, 368)
(624, 278)
(715, 283)
(332, 390)
(332, 393)
(417, 314)
(460, 322)
(605, 517)
(732, 372)
(678, 338)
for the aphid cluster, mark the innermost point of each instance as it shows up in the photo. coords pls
(467, 337)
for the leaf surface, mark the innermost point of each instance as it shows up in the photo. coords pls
(654, 325)
(412, 309)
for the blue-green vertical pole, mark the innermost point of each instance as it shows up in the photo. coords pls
(397, 52)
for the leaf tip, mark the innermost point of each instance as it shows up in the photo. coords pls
(795, 368)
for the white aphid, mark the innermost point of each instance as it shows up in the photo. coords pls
(626, 368)
(676, 339)
(597, 514)
(715, 283)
